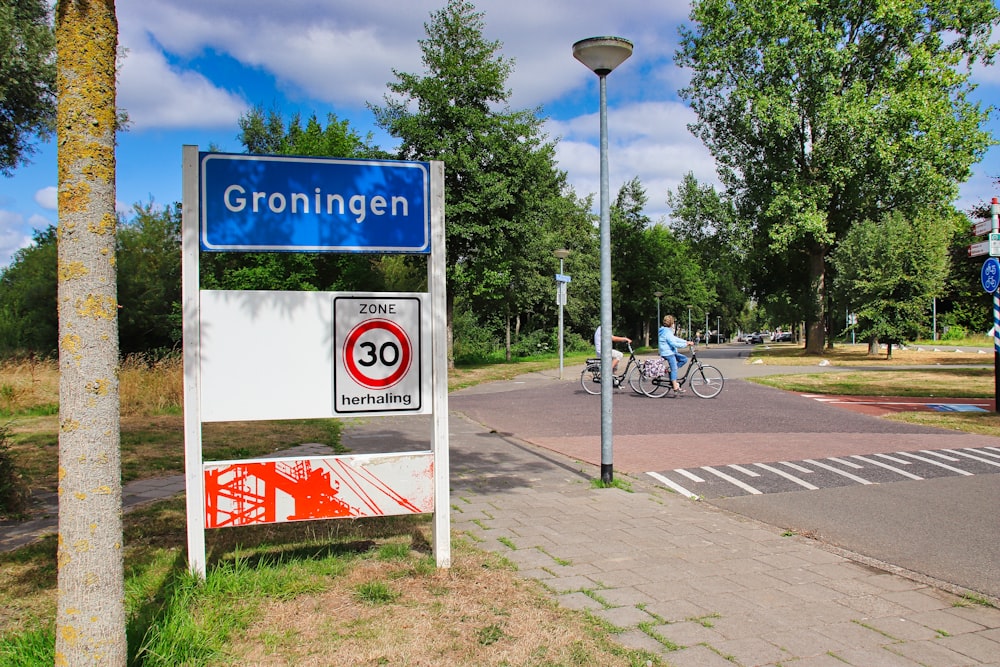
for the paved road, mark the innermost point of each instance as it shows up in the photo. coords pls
(867, 496)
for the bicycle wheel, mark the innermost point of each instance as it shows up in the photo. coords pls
(655, 387)
(590, 379)
(706, 381)
(635, 379)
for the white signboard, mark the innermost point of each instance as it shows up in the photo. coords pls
(379, 345)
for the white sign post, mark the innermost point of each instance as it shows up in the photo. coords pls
(254, 355)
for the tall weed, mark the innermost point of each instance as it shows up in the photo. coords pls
(149, 386)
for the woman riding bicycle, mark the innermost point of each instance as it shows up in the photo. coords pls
(668, 345)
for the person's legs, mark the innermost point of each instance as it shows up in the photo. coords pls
(672, 362)
(681, 359)
(616, 356)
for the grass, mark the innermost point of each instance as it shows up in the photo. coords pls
(320, 592)
(936, 369)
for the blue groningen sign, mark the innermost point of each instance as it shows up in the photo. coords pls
(256, 203)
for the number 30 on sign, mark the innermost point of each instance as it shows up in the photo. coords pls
(379, 354)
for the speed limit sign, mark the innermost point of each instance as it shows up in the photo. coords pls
(378, 354)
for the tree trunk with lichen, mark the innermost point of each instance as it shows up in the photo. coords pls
(90, 616)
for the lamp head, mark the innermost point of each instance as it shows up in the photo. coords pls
(602, 54)
(562, 253)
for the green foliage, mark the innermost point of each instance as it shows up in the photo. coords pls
(706, 222)
(500, 178)
(149, 279)
(14, 492)
(28, 317)
(268, 133)
(954, 332)
(474, 343)
(889, 271)
(375, 593)
(34, 648)
(820, 115)
(648, 258)
(27, 79)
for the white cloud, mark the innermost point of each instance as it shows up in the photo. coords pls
(13, 236)
(158, 96)
(48, 198)
(648, 140)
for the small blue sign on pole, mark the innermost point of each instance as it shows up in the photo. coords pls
(257, 203)
(989, 275)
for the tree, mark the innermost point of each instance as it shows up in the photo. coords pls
(268, 133)
(149, 279)
(90, 613)
(28, 318)
(888, 271)
(500, 168)
(823, 113)
(707, 223)
(647, 258)
(27, 79)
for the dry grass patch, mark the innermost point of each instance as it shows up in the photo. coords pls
(948, 382)
(968, 422)
(479, 612)
(857, 355)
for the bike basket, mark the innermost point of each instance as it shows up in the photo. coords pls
(654, 368)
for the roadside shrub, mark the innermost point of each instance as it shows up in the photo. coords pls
(540, 341)
(472, 343)
(954, 332)
(14, 491)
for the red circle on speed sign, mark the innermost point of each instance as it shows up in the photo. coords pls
(377, 353)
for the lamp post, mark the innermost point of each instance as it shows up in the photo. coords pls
(689, 322)
(602, 55)
(561, 281)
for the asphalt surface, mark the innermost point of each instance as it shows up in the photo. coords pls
(944, 527)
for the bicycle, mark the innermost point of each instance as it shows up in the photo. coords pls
(590, 378)
(706, 381)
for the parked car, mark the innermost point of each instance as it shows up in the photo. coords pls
(784, 337)
(754, 339)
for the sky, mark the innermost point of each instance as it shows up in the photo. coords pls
(191, 68)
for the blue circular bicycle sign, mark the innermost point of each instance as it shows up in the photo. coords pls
(990, 275)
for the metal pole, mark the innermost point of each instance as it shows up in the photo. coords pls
(934, 317)
(689, 322)
(995, 215)
(607, 384)
(560, 297)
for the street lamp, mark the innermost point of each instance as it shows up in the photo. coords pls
(689, 322)
(561, 281)
(657, 294)
(602, 55)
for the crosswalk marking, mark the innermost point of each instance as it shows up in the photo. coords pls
(690, 475)
(790, 477)
(974, 457)
(996, 456)
(843, 473)
(940, 455)
(795, 466)
(886, 466)
(732, 480)
(936, 463)
(718, 480)
(676, 487)
(887, 457)
(842, 462)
